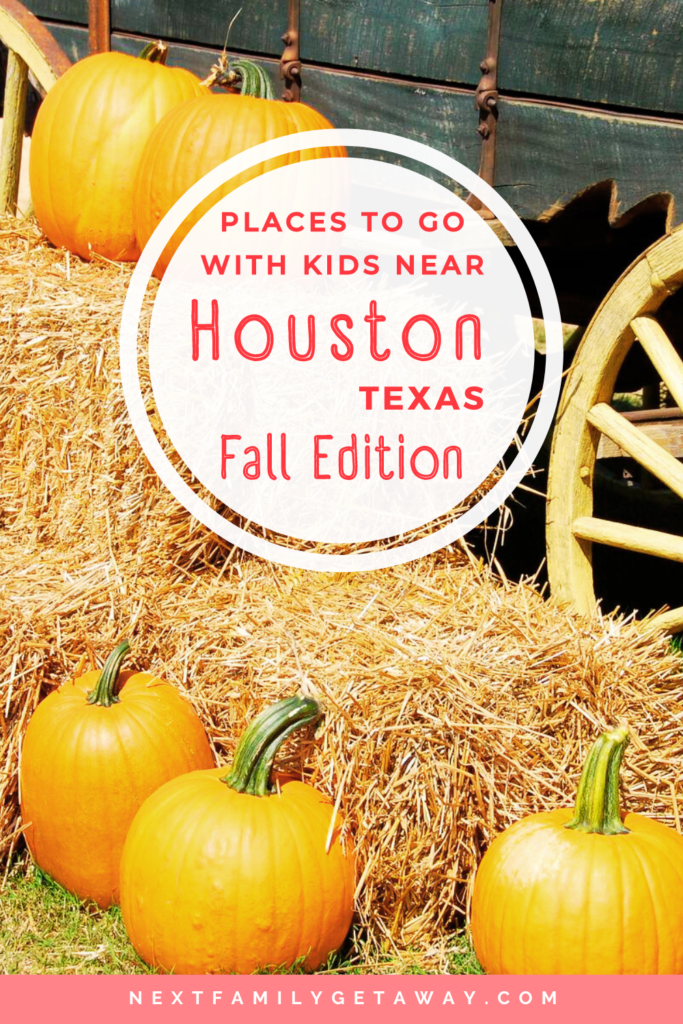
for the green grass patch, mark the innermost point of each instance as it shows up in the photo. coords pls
(46, 930)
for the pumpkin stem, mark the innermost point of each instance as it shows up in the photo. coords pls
(597, 801)
(155, 53)
(104, 693)
(242, 75)
(253, 763)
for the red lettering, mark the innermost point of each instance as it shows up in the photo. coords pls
(197, 327)
(458, 456)
(368, 219)
(450, 264)
(476, 399)
(373, 319)
(475, 263)
(318, 455)
(252, 470)
(391, 397)
(419, 399)
(406, 337)
(310, 351)
(398, 221)
(258, 356)
(224, 453)
(310, 264)
(271, 221)
(289, 221)
(342, 264)
(447, 398)
(459, 221)
(338, 222)
(215, 264)
(272, 263)
(354, 460)
(368, 396)
(225, 223)
(341, 318)
(470, 318)
(435, 462)
(402, 265)
(424, 226)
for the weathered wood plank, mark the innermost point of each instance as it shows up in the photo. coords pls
(618, 52)
(547, 154)
(638, 445)
(427, 39)
(443, 118)
(667, 434)
(626, 53)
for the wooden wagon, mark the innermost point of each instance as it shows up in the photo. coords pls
(574, 112)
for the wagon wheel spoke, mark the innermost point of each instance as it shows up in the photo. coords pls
(650, 455)
(639, 446)
(662, 354)
(31, 47)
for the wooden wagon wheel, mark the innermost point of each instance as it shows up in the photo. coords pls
(587, 422)
(31, 47)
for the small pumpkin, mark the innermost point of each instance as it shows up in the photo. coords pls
(87, 141)
(582, 893)
(94, 750)
(229, 873)
(190, 141)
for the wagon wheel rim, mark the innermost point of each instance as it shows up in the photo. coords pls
(626, 317)
(21, 32)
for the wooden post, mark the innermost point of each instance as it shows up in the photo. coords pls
(16, 85)
(99, 26)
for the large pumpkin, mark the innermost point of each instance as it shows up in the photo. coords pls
(192, 140)
(228, 874)
(87, 141)
(94, 750)
(582, 893)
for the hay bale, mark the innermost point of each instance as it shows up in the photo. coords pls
(456, 703)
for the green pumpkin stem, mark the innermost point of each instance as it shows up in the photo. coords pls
(597, 801)
(249, 78)
(155, 53)
(253, 763)
(105, 692)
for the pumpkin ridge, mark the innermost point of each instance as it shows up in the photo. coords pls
(302, 916)
(637, 855)
(92, 170)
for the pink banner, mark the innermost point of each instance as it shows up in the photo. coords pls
(298, 999)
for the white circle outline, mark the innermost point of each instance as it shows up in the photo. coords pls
(196, 506)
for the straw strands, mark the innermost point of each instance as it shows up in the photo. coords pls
(455, 703)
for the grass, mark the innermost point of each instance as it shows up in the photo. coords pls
(45, 930)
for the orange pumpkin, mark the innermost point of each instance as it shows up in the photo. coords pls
(226, 874)
(87, 141)
(94, 750)
(582, 893)
(193, 139)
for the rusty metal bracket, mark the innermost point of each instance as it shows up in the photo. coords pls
(99, 26)
(290, 62)
(486, 102)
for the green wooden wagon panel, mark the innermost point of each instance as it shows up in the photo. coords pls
(547, 153)
(620, 53)
(439, 40)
